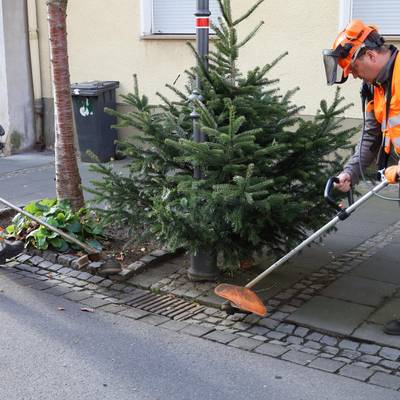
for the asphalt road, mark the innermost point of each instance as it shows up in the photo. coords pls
(47, 354)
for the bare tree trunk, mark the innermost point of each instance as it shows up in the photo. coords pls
(68, 180)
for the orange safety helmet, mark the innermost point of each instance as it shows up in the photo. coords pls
(345, 49)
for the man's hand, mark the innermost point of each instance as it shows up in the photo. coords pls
(345, 181)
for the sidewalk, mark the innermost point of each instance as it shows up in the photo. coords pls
(329, 303)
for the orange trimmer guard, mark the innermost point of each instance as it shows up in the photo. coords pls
(242, 298)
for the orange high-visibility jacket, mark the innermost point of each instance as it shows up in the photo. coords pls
(376, 126)
(391, 129)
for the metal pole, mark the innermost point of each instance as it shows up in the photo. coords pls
(203, 266)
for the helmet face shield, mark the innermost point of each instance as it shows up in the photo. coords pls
(334, 72)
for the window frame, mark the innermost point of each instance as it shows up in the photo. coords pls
(146, 21)
(345, 14)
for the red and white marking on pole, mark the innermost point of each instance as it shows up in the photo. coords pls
(202, 23)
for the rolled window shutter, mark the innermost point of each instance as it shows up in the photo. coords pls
(177, 16)
(383, 13)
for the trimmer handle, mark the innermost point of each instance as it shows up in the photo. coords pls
(328, 194)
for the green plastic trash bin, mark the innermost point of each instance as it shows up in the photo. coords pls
(93, 125)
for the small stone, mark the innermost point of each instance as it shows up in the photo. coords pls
(279, 316)
(331, 350)
(294, 340)
(220, 337)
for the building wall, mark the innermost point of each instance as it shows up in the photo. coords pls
(105, 44)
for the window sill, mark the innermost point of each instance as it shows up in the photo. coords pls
(172, 37)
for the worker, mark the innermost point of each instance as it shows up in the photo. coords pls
(361, 51)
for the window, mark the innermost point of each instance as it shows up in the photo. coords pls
(383, 13)
(172, 17)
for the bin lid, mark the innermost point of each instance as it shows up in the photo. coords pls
(92, 88)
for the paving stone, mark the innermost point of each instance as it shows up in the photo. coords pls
(268, 323)
(195, 330)
(348, 344)
(287, 309)
(325, 355)
(65, 270)
(276, 335)
(329, 340)
(380, 369)
(331, 315)
(259, 338)
(370, 359)
(302, 332)
(241, 326)
(36, 260)
(286, 328)
(244, 334)
(251, 319)
(154, 319)
(56, 267)
(385, 380)
(294, 340)
(134, 313)
(112, 308)
(58, 290)
(220, 337)
(28, 268)
(325, 364)
(361, 364)
(369, 348)
(312, 345)
(23, 257)
(331, 350)
(359, 290)
(78, 296)
(257, 330)
(94, 302)
(373, 333)
(359, 373)
(96, 279)
(389, 353)
(352, 354)
(390, 364)
(298, 357)
(279, 316)
(342, 359)
(106, 283)
(314, 336)
(84, 276)
(45, 264)
(65, 259)
(309, 351)
(244, 343)
(273, 350)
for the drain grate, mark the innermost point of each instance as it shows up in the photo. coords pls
(167, 305)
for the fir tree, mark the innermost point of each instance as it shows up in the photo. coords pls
(263, 167)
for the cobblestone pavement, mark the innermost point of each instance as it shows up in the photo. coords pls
(273, 336)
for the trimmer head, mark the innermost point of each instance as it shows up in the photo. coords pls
(242, 298)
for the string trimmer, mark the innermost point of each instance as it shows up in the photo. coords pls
(244, 298)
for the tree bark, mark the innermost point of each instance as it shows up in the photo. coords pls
(68, 180)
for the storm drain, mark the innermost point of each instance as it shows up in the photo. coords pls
(167, 305)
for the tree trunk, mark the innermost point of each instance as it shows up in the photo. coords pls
(68, 180)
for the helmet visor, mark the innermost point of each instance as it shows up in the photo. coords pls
(334, 72)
